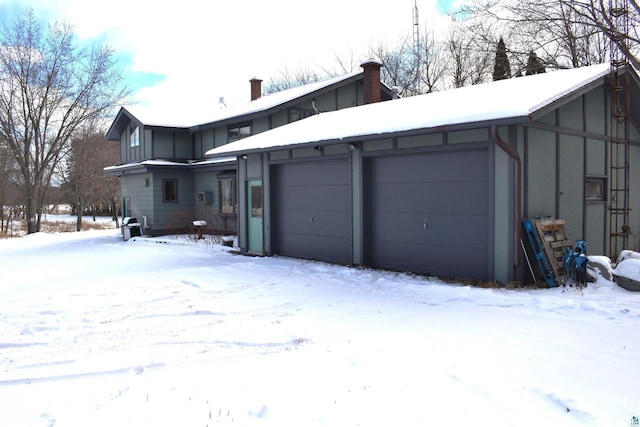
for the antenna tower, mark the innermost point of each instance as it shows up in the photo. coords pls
(416, 46)
(416, 27)
(619, 146)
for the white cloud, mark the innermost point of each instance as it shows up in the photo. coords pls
(211, 49)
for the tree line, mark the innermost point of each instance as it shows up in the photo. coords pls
(493, 39)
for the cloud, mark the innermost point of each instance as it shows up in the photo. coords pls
(198, 51)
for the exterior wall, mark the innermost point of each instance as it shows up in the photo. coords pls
(163, 145)
(634, 172)
(503, 206)
(349, 96)
(146, 142)
(183, 146)
(540, 174)
(260, 125)
(132, 154)
(139, 196)
(172, 145)
(207, 182)
(176, 216)
(559, 159)
(279, 118)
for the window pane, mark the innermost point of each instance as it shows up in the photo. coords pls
(237, 132)
(228, 196)
(256, 201)
(595, 189)
(135, 137)
(170, 190)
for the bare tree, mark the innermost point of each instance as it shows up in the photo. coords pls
(431, 62)
(563, 33)
(49, 88)
(289, 79)
(400, 66)
(470, 59)
(86, 184)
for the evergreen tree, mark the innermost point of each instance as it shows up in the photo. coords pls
(501, 68)
(534, 64)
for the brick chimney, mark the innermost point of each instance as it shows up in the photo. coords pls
(256, 88)
(371, 69)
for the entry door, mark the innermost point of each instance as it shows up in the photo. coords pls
(255, 216)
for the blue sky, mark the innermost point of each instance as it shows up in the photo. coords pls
(181, 59)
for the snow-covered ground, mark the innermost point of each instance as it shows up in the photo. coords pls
(96, 331)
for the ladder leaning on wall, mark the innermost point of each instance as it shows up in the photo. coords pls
(619, 144)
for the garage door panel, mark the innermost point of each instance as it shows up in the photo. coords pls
(335, 250)
(434, 168)
(312, 206)
(297, 197)
(425, 259)
(312, 174)
(432, 197)
(448, 230)
(331, 224)
(450, 191)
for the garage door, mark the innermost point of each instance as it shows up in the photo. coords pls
(429, 213)
(312, 207)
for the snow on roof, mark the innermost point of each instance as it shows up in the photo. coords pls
(511, 98)
(263, 103)
(160, 162)
(143, 163)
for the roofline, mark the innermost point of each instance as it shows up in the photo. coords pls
(146, 165)
(373, 136)
(278, 107)
(566, 99)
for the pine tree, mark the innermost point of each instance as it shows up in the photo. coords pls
(534, 64)
(501, 68)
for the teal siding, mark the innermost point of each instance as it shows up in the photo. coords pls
(347, 96)
(173, 216)
(571, 184)
(183, 146)
(162, 145)
(140, 196)
(541, 174)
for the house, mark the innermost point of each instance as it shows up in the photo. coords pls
(440, 183)
(165, 179)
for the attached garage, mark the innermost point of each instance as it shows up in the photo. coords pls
(439, 184)
(311, 202)
(430, 213)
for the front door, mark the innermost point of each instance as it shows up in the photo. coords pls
(255, 216)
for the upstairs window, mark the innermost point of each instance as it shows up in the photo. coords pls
(169, 190)
(237, 132)
(134, 137)
(296, 114)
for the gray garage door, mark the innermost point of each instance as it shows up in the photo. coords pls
(429, 213)
(312, 211)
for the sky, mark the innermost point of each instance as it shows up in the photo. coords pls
(185, 57)
(174, 331)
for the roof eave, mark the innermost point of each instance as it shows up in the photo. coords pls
(392, 134)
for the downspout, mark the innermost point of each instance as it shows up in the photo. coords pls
(495, 136)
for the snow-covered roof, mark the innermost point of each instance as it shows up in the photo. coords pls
(168, 163)
(261, 104)
(504, 99)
